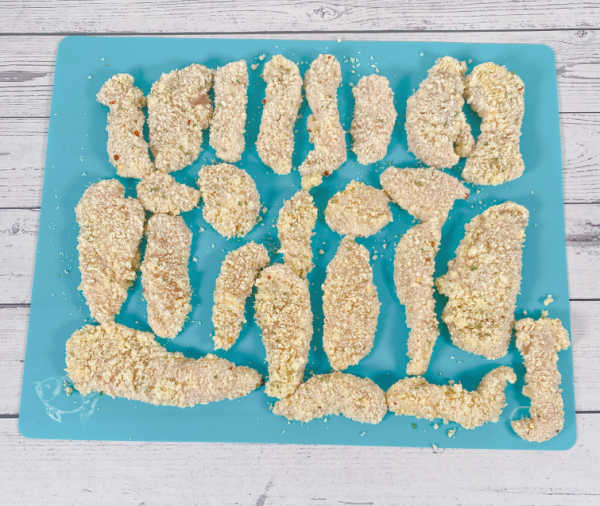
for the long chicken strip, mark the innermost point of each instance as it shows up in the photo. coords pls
(160, 193)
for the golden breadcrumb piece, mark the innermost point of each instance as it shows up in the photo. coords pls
(179, 109)
(123, 362)
(436, 127)
(228, 124)
(234, 285)
(497, 95)
(160, 193)
(231, 200)
(414, 396)
(374, 118)
(284, 315)
(325, 131)
(350, 306)
(539, 342)
(336, 393)
(295, 227)
(484, 279)
(110, 230)
(165, 278)
(283, 96)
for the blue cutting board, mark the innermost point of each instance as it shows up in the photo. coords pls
(76, 158)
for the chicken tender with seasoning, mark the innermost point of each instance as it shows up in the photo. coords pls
(234, 285)
(284, 315)
(414, 396)
(110, 230)
(124, 362)
(160, 193)
(484, 279)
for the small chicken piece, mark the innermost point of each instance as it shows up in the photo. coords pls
(414, 396)
(234, 285)
(160, 193)
(283, 312)
(110, 230)
(179, 109)
(497, 95)
(295, 227)
(283, 96)
(231, 200)
(124, 362)
(484, 279)
(325, 131)
(358, 210)
(374, 118)
(350, 306)
(539, 342)
(335, 393)
(165, 278)
(436, 127)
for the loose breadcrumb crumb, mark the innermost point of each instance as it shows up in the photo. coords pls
(548, 300)
(451, 433)
(160, 193)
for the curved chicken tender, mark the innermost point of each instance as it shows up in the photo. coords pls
(231, 200)
(179, 109)
(484, 279)
(325, 131)
(283, 96)
(539, 342)
(123, 362)
(110, 230)
(234, 285)
(497, 95)
(165, 278)
(414, 396)
(295, 227)
(358, 210)
(374, 118)
(350, 306)
(333, 394)
(284, 315)
(160, 193)
(436, 128)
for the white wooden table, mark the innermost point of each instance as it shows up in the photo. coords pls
(34, 472)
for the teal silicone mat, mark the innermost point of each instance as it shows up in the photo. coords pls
(76, 158)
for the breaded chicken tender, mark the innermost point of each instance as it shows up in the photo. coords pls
(414, 396)
(484, 279)
(336, 393)
(436, 127)
(539, 342)
(179, 109)
(325, 131)
(231, 200)
(110, 230)
(123, 362)
(284, 315)
(295, 227)
(160, 193)
(234, 285)
(350, 306)
(374, 118)
(165, 277)
(497, 95)
(283, 96)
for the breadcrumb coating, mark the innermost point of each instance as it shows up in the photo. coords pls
(436, 127)
(165, 278)
(160, 193)
(236, 279)
(123, 362)
(483, 281)
(179, 109)
(414, 396)
(283, 97)
(110, 230)
(283, 312)
(539, 341)
(497, 95)
(231, 200)
(350, 306)
(335, 393)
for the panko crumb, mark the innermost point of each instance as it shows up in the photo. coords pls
(548, 300)
(160, 193)
(451, 433)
